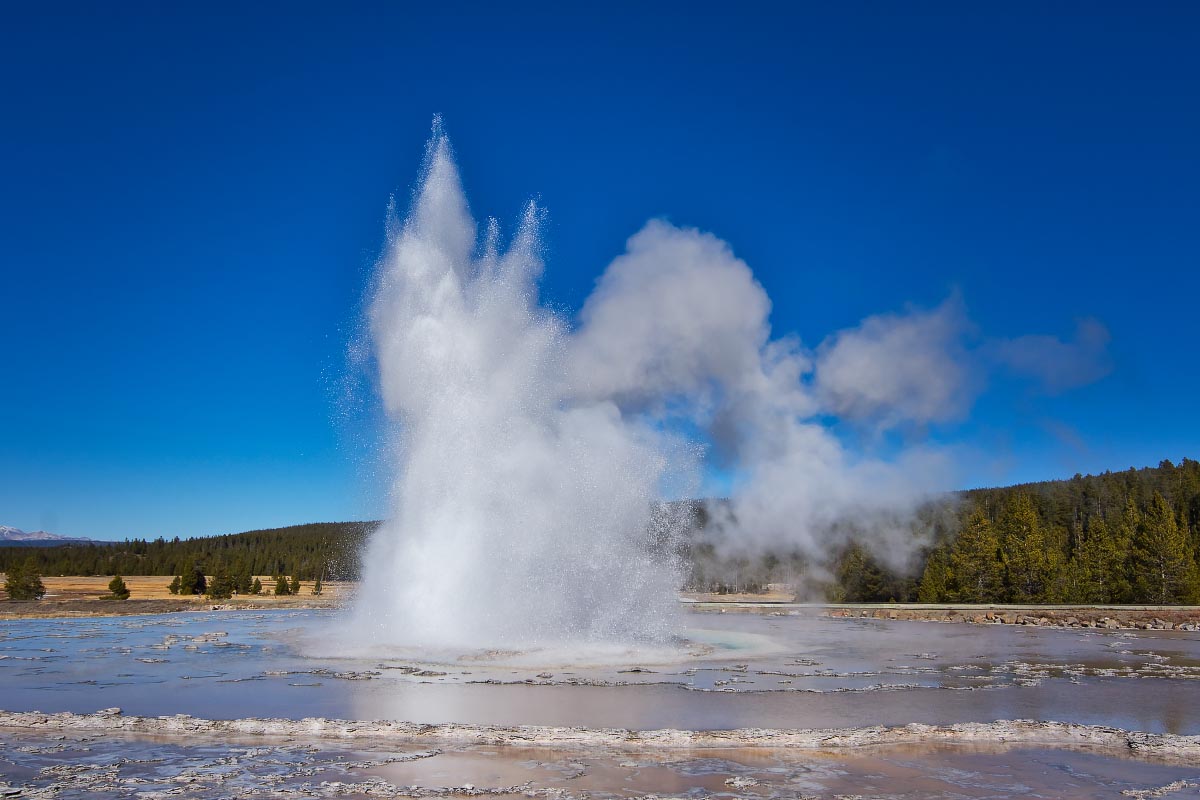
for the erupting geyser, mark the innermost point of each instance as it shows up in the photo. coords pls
(531, 450)
(522, 515)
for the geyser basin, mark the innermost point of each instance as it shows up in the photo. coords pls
(206, 762)
(815, 673)
(771, 706)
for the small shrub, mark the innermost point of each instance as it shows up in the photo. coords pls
(117, 589)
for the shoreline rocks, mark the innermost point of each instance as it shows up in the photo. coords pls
(1104, 618)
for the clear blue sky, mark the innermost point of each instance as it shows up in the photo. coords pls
(193, 194)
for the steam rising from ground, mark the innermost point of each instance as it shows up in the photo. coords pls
(532, 449)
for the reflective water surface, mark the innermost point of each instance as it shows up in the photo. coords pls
(734, 670)
(730, 670)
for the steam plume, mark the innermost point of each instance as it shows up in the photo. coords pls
(532, 448)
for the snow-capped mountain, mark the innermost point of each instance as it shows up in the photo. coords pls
(9, 534)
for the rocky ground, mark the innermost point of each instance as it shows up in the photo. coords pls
(107, 754)
(1160, 747)
(1161, 618)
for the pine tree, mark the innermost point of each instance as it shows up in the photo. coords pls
(281, 586)
(935, 586)
(316, 589)
(244, 582)
(117, 588)
(186, 578)
(23, 582)
(14, 575)
(1097, 567)
(1031, 564)
(975, 561)
(199, 581)
(1166, 570)
(222, 585)
(1121, 574)
(256, 587)
(1113, 561)
(294, 586)
(192, 579)
(853, 579)
(33, 581)
(175, 585)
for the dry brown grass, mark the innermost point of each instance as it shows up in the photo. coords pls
(149, 594)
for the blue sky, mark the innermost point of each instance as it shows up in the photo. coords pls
(193, 197)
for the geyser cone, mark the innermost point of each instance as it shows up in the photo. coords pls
(520, 516)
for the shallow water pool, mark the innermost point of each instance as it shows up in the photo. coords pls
(734, 670)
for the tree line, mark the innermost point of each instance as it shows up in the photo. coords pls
(227, 582)
(328, 550)
(1129, 537)
(1117, 537)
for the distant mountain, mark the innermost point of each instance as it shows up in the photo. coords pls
(9, 535)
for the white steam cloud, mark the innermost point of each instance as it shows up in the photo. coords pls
(895, 369)
(532, 448)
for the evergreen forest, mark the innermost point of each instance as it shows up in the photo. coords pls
(1130, 537)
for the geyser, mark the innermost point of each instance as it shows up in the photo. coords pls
(521, 517)
(531, 450)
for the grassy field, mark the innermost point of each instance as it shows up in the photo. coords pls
(148, 594)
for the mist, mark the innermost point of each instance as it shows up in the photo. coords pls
(531, 448)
